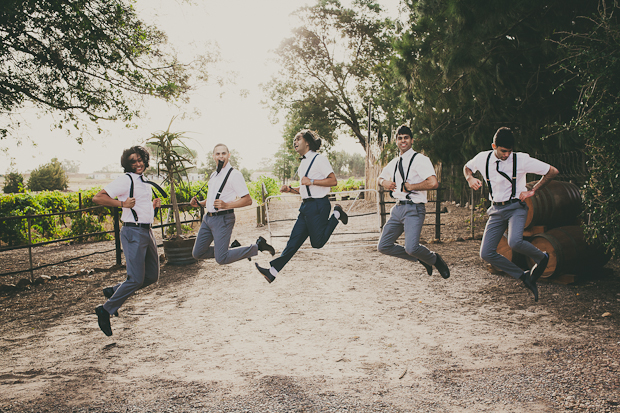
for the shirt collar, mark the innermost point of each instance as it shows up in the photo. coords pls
(407, 154)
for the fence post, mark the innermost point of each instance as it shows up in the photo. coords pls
(80, 200)
(30, 248)
(117, 236)
(382, 205)
(438, 215)
(472, 214)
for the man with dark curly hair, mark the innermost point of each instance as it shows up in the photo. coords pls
(316, 176)
(133, 193)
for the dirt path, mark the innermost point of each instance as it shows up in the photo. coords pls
(341, 329)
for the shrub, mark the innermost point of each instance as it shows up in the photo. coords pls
(271, 185)
(13, 183)
(49, 177)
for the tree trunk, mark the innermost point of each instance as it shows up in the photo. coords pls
(175, 207)
(373, 168)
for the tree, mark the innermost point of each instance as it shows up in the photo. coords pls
(285, 163)
(471, 66)
(13, 183)
(48, 177)
(593, 59)
(332, 66)
(88, 57)
(70, 166)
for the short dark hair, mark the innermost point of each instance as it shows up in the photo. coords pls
(312, 138)
(404, 130)
(138, 150)
(504, 138)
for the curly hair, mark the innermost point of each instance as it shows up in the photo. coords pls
(312, 138)
(138, 150)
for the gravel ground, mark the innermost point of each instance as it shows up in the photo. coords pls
(342, 329)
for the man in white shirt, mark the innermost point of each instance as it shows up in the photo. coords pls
(316, 179)
(227, 191)
(409, 176)
(505, 172)
(134, 195)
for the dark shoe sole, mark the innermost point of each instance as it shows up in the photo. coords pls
(344, 218)
(429, 268)
(539, 269)
(263, 246)
(270, 278)
(103, 319)
(442, 267)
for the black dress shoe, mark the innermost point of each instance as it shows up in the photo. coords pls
(263, 246)
(441, 265)
(103, 318)
(266, 273)
(235, 244)
(538, 269)
(530, 284)
(429, 268)
(107, 293)
(344, 218)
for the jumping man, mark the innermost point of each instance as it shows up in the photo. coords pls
(227, 191)
(314, 221)
(409, 176)
(134, 195)
(505, 172)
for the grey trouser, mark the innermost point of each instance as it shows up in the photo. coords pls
(408, 218)
(219, 229)
(142, 261)
(511, 217)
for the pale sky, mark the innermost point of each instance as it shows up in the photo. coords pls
(246, 31)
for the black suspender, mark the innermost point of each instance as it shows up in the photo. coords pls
(219, 193)
(513, 181)
(308, 171)
(159, 188)
(399, 166)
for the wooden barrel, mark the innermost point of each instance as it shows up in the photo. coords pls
(569, 253)
(179, 252)
(504, 249)
(557, 204)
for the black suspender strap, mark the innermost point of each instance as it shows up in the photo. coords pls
(400, 168)
(308, 171)
(159, 188)
(487, 175)
(219, 193)
(512, 181)
(154, 185)
(135, 214)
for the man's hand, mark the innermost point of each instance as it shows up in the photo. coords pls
(305, 181)
(129, 203)
(285, 188)
(193, 202)
(219, 204)
(474, 183)
(524, 195)
(156, 203)
(389, 185)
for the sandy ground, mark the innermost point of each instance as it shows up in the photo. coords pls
(341, 329)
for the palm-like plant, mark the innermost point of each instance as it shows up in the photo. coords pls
(173, 158)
